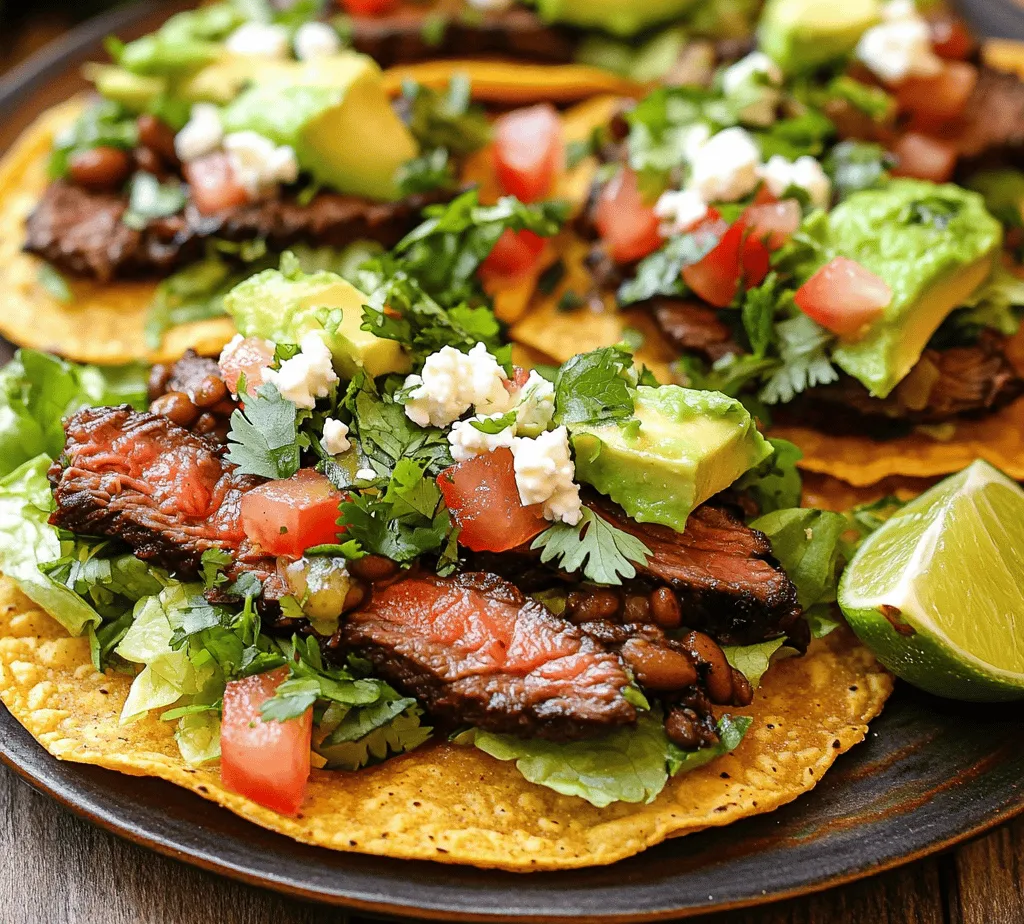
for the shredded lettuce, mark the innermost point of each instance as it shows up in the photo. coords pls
(27, 540)
(627, 765)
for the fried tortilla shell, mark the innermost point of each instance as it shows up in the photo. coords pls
(449, 803)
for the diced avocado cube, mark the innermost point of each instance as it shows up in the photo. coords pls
(619, 17)
(800, 35)
(273, 306)
(336, 115)
(133, 91)
(933, 245)
(681, 447)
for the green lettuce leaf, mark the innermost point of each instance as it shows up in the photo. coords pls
(628, 765)
(27, 540)
(753, 660)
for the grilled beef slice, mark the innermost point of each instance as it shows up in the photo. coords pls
(165, 492)
(82, 231)
(404, 36)
(474, 650)
(694, 327)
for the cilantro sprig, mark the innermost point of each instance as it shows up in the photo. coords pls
(601, 552)
(264, 438)
(595, 387)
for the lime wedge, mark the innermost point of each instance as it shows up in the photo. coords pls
(938, 592)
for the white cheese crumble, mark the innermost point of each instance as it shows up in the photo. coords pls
(452, 382)
(335, 439)
(306, 376)
(679, 211)
(756, 64)
(467, 441)
(805, 173)
(544, 475)
(900, 46)
(366, 474)
(258, 40)
(259, 164)
(491, 6)
(201, 135)
(316, 40)
(534, 405)
(726, 167)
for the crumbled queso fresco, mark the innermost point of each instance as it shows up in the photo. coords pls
(259, 40)
(544, 475)
(900, 46)
(306, 376)
(335, 439)
(452, 382)
(316, 40)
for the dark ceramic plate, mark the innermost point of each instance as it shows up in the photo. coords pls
(930, 774)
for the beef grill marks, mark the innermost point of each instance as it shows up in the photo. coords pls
(81, 231)
(165, 492)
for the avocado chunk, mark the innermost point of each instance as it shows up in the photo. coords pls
(336, 115)
(222, 80)
(933, 245)
(681, 447)
(800, 35)
(619, 17)
(133, 91)
(283, 308)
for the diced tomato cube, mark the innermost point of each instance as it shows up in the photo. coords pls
(627, 224)
(265, 761)
(213, 184)
(739, 257)
(484, 501)
(774, 223)
(287, 517)
(844, 297)
(514, 255)
(951, 38)
(933, 101)
(529, 151)
(368, 7)
(251, 357)
(924, 158)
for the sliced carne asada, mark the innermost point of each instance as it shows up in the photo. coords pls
(406, 35)
(474, 650)
(82, 231)
(165, 492)
(993, 118)
(694, 327)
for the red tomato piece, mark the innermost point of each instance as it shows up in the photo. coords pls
(933, 101)
(520, 377)
(716, 277)
(289, 516)
(267, 762)
(213, 184)
(515, 254)
(627, 224)
(251, 356)
(529, 150)
(368, 7)
(924, 158)
(843, 297)
(951, 39)
(774, 224)
(484, 501)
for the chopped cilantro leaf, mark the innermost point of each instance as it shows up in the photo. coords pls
(264, 438)
(603, 553)
(595, 387)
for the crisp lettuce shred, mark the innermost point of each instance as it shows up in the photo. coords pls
(627, 765)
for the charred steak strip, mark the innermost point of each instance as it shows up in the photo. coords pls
(165, 492)
(473, 649)
(82, 232)
(404, 36)
(694, 327)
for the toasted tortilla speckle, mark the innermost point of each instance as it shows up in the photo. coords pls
(453, 804)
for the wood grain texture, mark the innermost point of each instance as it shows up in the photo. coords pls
(57, 869)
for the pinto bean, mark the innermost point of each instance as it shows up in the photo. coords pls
(100, 168)
(158, 137)
(148, 161)
(354, 598)
(177, 407)
(638, 608)
(159, 376)
(742, 693)
(717, 670)
(592, 606)
(210, 391)
(682, 730)
(665, 608)
(373, 568)
(659, 668)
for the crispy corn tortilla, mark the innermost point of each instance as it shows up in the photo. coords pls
(859, 460)
(450, 803)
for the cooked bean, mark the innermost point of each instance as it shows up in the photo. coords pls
(148, 161)
(592, 606)
(665, 608)
(373, 568)
(158, 137)
(177, 407)
(210, 391)
(659, 668)
(681, 728)
(717, 670)
(742, 694)
(100, 168)
(355, 596)
(638, 608)
(159, 376)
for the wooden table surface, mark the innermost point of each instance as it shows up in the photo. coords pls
(56, 868)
